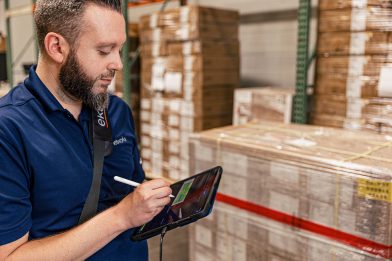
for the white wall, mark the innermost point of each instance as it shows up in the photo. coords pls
(268, 54)
(2, 19)
(21, 32)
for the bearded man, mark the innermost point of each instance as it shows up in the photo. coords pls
(46, 149)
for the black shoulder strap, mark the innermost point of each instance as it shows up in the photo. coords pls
(101, 136)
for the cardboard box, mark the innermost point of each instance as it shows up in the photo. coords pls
(264, 103)
(356, 20)
(261, 239)
(164, 108)
(187, 124)
(354, 65)
(351, 76)
(354, 43)
(2, 44)
(183, 85)
(182, 63)
(340, 106)
(154, 49)
(329, 120)
(190, 14)
(354, 87)
(186, 32)
(207, 48)
(343, 4)
(377, 115)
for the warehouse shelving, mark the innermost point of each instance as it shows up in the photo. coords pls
(300, 108)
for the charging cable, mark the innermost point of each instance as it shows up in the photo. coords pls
(161, 245)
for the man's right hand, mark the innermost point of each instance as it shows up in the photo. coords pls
(140, 206)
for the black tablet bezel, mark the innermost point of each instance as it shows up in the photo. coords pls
(203, 213)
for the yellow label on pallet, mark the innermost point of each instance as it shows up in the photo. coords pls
(375, 189)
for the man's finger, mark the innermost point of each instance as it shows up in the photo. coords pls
(162, 192)
(160, 203)
(155, 184)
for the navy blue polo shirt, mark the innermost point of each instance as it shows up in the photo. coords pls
(46, 167)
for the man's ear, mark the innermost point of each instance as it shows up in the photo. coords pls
(56, 47)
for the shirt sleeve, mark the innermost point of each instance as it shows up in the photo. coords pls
(15, 205)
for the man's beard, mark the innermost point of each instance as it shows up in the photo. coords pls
(75, 83)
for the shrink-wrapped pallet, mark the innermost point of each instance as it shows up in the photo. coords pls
(295, 192)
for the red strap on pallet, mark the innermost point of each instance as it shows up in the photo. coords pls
(342, 237)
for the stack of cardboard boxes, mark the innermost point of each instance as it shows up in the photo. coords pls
(354, 60)
(263, 103)
(190, 68)
(295, 192)
(378, 115)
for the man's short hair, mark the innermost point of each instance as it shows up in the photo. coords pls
(64, 17)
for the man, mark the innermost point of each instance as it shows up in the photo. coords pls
(46, 161)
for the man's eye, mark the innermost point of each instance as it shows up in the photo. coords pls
(103, 52)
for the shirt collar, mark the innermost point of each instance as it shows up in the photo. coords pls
(85, 113)
(46, 98)
(41, 92)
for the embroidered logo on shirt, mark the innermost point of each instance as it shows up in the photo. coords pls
(119, 141)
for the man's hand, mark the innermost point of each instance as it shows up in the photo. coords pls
(144, 203)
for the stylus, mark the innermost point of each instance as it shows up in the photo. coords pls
(130, 182)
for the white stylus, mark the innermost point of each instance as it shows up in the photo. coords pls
(130, 182)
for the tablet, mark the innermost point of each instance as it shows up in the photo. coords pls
(193, 199)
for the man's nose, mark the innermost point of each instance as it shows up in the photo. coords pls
(116, 64)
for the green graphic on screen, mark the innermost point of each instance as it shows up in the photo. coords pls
(183, 192)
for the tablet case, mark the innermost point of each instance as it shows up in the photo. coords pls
(217, 171)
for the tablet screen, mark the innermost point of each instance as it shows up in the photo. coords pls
(190, 199)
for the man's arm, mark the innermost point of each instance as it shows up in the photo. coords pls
(84, 240)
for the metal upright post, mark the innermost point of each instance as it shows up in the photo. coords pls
(8, 47)
(125, 58)
(300, 100)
